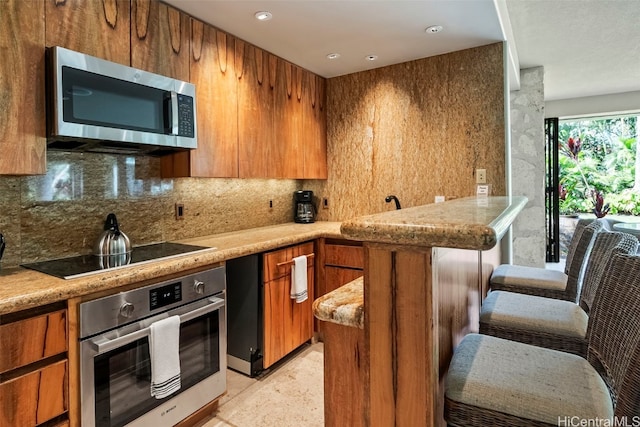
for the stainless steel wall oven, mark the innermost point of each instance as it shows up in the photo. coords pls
(115, 364)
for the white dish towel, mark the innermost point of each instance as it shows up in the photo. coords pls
(164, 348)
(299, 279)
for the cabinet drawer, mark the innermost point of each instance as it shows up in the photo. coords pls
(344, 256)
(35, 397)
(29, 340)
(272, 259)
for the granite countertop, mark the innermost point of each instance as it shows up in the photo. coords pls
(21, 288)
(344, 306)
(467, 223)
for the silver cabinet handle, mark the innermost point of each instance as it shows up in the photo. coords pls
(103, 345)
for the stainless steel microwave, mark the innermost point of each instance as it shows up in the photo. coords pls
(98, 105)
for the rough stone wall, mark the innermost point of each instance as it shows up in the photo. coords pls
(528, 167)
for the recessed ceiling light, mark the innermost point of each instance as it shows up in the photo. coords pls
(263, 16)
(433, 29)
(333, 56)
(371, 57)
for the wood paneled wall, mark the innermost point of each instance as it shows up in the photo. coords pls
(416, 130)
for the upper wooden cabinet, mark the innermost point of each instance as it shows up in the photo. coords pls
(288, 136)
(159, 39)
(214, 72)
(22, 113)
(258, 115)
(314, 128)
(256, 156)
(97, 28)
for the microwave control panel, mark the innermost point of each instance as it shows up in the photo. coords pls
(185, 116)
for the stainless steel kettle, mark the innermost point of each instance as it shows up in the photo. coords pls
(113, 245)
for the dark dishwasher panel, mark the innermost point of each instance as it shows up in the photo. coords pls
(244, 314)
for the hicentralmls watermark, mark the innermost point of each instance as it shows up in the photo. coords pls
(599, 422)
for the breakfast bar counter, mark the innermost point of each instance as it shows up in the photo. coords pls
(426, 270)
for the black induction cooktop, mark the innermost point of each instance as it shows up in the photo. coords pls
(77, 266)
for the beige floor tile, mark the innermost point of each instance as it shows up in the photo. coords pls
(289, 395)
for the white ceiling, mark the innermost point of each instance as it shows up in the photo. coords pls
(587, 47)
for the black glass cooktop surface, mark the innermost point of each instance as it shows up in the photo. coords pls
(68, 268)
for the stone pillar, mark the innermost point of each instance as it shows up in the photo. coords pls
(528, 166)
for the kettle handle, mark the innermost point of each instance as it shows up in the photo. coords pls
(112, 223)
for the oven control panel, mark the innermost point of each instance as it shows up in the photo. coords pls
(139, 303)
(165, 295)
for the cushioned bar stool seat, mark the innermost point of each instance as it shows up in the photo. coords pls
(547, 322)
(513, 379)
(551, 283)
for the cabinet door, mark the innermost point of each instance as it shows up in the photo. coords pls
(314, 128)
(35, 397)
(338, 276)
(287, 324)
(255, 113)
(30, 340)
(97, 28)
(22, 114)
(159, 39)
(213, 71)
(287, 157)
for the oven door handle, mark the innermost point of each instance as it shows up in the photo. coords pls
(103, 345)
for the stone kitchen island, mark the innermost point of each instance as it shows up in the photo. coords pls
(390, 336)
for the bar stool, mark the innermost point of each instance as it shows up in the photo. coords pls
(497, 382)
(551, 283)
(553, 323)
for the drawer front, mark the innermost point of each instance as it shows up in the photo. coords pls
(344, 256)
(35, 397)
(272, 259)
(29, 340)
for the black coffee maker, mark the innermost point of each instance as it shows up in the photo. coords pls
(303, 209)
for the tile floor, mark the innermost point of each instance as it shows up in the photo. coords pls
(289, 395)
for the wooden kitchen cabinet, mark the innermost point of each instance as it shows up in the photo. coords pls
(314, 127)
(343, 262)
(213, 70)
(22, 113)
(97, 28)
(287, 324)
(34, 367)
(257, 149)
(160, 39)
(286, 160)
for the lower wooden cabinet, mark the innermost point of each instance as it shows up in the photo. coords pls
(287, 324)
(35, 397)
(34, 367)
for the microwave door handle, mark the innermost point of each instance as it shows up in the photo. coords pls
(104, 345)
(174, 113)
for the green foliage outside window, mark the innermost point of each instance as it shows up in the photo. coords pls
(598, 160)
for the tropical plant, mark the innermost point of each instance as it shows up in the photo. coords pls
(598, 166)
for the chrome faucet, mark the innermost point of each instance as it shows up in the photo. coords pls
(391, 197)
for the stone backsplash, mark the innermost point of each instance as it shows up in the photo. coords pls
(62, 213)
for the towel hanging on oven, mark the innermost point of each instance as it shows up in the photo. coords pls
(164, 347)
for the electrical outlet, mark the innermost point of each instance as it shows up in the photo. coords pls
(439, 199)
(481, 176)
(270, 204)
(325, 203)
(179, 211)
